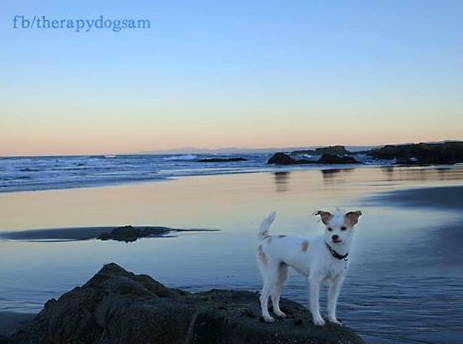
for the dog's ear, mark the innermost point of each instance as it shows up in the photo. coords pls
(324, 215)
(352, 217)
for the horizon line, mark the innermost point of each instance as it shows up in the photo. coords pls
(223, 150)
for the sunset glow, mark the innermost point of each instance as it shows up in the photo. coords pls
(231, 74)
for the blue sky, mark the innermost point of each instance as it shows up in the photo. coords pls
(231, 73)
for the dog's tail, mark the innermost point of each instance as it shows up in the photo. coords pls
(265, 225)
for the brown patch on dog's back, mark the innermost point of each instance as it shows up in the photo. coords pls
(304, 245)
(281, 236)
(262, 256)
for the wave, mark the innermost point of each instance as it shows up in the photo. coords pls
(183, 157)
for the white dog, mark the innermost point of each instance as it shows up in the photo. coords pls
(320, 258)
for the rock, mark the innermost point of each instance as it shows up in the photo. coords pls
(336, 159)
(334, 150)
(285, 159)
(421, 153)
(119, 307)
(222, 159)
(129, 233)
(281, 159)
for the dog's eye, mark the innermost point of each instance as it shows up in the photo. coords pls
(343, 228)
(330, 229)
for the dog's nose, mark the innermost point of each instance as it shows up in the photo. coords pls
(335, 237)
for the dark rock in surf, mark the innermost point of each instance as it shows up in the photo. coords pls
(285, 159)
(130, 233)
(450, 152)
(334, 150)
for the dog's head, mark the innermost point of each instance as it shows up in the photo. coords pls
(339, 225)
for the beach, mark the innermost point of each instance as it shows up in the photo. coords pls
(143, 143)
(400, 259)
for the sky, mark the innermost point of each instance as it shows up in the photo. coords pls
(212, 74)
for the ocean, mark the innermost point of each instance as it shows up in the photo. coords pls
(62, 172)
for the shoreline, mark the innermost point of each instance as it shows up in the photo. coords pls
(203, 173)
(221, 171)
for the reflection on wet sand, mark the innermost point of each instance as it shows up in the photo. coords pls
(421, 173)
(330, 175)
(282, 180)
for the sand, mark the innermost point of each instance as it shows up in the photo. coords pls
(449, 197)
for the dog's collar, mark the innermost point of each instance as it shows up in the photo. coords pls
(336, 254)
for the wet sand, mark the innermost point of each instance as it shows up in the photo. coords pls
(439, 198)
(448, 197)
(448, 237)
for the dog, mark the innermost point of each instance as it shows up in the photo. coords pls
(320, 258)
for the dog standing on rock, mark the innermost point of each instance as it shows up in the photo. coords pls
(320, 258)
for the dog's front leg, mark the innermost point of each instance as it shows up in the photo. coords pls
(314, 297)
(333, 293)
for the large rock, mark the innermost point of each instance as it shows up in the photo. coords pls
(421, 153)
(334, 150)
(285, 159)
(118, 307)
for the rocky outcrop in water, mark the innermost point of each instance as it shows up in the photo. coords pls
(129, 233)
(285, 159)
(119, 307)
(333, 150)
(421, 153)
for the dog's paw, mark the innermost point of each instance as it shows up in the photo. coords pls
(319, 322)
(335, 321)
(280, 314)
(269, 319)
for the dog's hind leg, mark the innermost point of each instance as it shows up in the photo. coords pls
(270, 277)
(280, 282)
